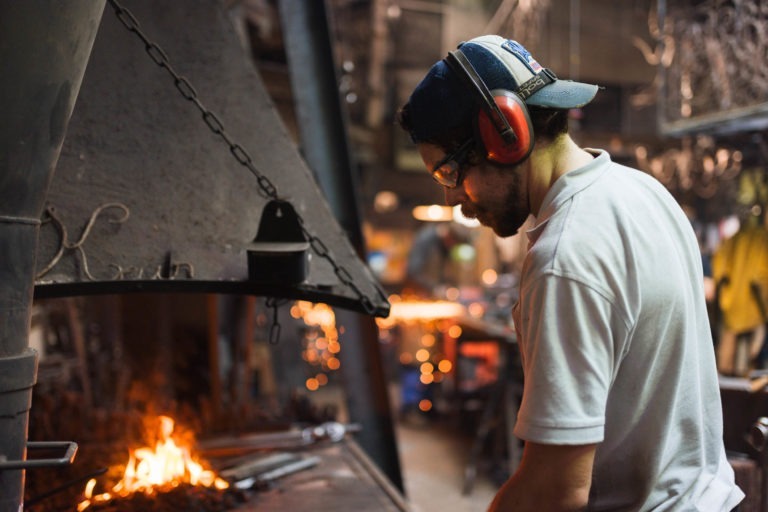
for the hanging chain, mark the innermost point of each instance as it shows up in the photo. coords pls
(267, 188)
(274, 329)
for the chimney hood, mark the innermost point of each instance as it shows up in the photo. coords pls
(147, 195)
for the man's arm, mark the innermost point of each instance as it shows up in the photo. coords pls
(554, 478)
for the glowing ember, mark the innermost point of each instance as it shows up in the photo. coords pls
(150, 470)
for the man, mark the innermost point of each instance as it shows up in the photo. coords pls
(621, 406)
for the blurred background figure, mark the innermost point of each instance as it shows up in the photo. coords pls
(740, 271)
(434, 261)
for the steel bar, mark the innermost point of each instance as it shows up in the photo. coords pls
(332, 431)
(258, 465)
(268, 477)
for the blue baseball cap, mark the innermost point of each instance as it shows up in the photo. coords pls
(442, 101)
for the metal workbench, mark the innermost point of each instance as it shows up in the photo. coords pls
(345, 480)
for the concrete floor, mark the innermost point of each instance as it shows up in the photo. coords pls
(432, 462)
(433, 455)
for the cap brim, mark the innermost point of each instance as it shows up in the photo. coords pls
(563, 94)
(491, 54)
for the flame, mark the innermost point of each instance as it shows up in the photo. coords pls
(148, 470)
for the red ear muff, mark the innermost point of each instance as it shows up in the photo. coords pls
(514, 110)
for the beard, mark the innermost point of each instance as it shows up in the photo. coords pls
(505, 215)
(504, 222)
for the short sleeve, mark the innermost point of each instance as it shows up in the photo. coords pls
(568, 340)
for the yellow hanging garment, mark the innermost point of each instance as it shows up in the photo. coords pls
(740, 269)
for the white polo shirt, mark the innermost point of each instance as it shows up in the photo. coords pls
(616, 345)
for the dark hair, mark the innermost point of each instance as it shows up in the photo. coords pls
(547, 124)
(448, 139)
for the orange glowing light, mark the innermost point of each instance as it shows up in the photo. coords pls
(432, 213)
(151, 470)
(406, 358)
(489, 276)
(428, 339)
(425, 405)
(454, 331)
(476, 310)
(420, 311)
(426, 378)
(444, 366)
(312, 384)
(320, 347)
(312, 356)
(452, 293)
(422, 355)
(427, 367)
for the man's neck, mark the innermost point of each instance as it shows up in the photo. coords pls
(550, 162)
(569, 157)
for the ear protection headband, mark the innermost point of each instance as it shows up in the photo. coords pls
(503, 124)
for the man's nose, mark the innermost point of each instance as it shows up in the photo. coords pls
(454, 196)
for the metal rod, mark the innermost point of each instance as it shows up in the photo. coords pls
(70, 450)
(64, 486)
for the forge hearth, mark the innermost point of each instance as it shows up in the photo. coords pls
(109, 364)
(336, 476)
(114, 444)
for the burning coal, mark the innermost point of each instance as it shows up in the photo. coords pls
(151, 470)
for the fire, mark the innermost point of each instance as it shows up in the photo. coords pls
(168, 464)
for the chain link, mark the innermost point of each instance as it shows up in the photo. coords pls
(274, 329)
(266, 187)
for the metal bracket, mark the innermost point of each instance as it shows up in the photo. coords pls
(67, 459)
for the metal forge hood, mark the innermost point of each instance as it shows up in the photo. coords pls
(147, 196)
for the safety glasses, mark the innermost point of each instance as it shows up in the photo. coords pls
(449, 171)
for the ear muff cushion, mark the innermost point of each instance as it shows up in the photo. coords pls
(514, 109)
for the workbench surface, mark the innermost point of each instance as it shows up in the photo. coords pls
(345, 480)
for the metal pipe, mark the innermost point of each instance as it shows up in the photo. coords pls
(44, 49)
(319, 111)
(324, 144)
